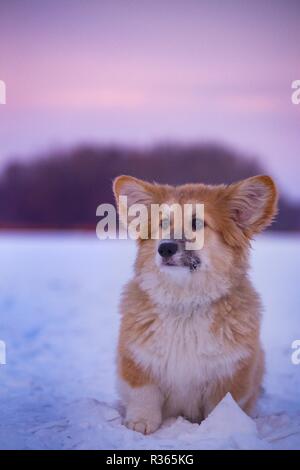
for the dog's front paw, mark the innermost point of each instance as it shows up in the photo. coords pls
(142, 425)
(144, 409)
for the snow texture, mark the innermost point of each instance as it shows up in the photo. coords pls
(58, 301)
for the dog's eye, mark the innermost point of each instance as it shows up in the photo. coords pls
(165, 223)
(197, 224)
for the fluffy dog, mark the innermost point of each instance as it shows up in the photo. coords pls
(190, 320)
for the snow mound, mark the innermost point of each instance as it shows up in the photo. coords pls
(94, 424)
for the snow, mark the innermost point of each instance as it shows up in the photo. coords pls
(58, 301)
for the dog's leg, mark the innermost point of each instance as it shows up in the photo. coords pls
(143, 408)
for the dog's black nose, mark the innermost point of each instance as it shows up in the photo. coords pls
(167, 249)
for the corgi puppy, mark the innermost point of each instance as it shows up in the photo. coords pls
(190, 320)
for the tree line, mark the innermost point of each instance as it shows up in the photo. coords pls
(61, 190)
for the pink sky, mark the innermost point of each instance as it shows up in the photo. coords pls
(139, 71)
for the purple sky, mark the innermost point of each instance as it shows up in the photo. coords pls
(139, 71)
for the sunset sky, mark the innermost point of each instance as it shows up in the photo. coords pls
(141, 71)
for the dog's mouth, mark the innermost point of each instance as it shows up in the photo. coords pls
(192, 262)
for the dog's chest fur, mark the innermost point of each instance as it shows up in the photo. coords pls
(186, 357)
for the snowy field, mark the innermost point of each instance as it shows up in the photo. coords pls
(58, 304)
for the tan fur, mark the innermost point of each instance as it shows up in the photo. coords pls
(189, 342)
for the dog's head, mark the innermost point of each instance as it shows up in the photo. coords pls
(232, 216)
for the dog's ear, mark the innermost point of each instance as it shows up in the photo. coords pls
(252, 203)
(137, 191)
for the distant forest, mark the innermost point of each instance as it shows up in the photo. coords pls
(62, 190)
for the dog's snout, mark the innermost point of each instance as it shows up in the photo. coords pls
(167, 249)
